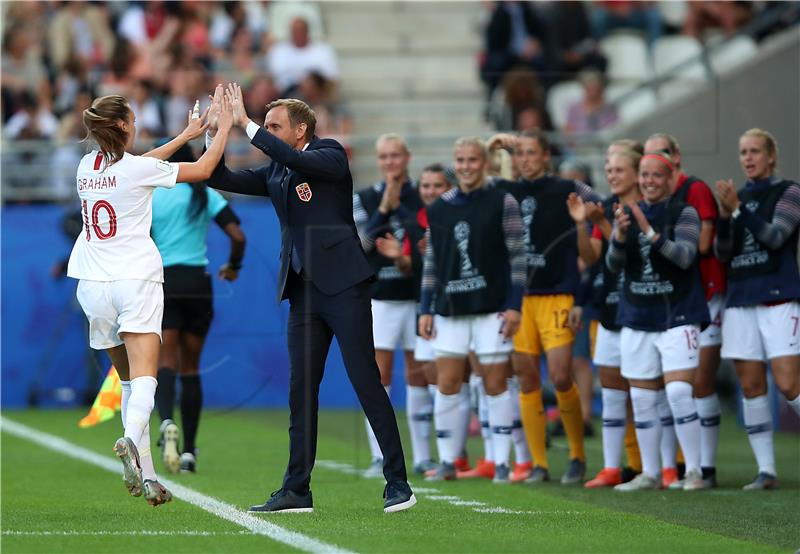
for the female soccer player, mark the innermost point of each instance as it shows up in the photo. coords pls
(181, 217)
(119, 267)
(551, 255)
(622, 172)
(420, 377)
(473, 279)
(757, 236)
(661, 310)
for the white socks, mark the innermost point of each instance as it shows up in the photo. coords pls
(374, 448)
(483, 418)
(669, 441)
(648, 429)
(614, 416)
(758, 424)
(687, 424)
(521, 453)
(139, 406)
(126, 394)
(500, 420)
(138, 399)
(709, 411)
(449, 415)
(795, 404)
(419, 411)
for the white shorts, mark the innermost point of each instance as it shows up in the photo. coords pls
(646, 355)
(712, 335)
(423, 350)
(761, 333)
(394, 323)
(607, 347)
(126, 306)
(480, 333)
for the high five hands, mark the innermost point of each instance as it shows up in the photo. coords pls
(233, 94)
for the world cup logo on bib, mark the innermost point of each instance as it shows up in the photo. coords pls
(750, 244)
(644, 251)
(528, 208)
(461, 234)
(303, 192)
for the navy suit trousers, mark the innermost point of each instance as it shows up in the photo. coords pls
(314, 319)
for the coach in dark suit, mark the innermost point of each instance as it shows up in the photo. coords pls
(325, 276)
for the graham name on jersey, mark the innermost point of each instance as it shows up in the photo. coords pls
(97, 183)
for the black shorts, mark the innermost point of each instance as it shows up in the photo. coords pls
(188, 299)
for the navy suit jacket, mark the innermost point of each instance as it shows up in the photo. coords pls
(315, 208)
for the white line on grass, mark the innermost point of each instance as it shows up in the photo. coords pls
(209, 504)
(143, 533)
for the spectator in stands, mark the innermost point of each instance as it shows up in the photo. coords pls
(615, 14)
(261, 92)
(68, 83)
(333, 119)
(521, 90)
(149, 120)
(82, 31)
(125, 66)
(290, 61)
(32, 121)
(187, 85)
(726, 15)
(22, 67)
(514, 36)
(533, 117)
(576, 171)
(573, 46)
(592, 113)
(238, 63)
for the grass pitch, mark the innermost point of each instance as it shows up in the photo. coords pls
(53, 503)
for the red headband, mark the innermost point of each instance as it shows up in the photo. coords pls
(660, 158)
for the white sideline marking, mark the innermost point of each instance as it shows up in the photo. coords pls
(209, 504)
(143, 533)
(432, 494)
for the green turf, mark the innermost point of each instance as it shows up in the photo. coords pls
(243, 455)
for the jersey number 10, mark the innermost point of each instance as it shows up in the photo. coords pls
(98, 231)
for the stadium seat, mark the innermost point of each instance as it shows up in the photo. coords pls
(560, 98)
(616, 90)
(672, 51)
(673, 12)
(732, 54)
(669, 55)
(628, 58)
(636, 106)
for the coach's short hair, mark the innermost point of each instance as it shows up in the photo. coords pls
(299, 112)
(472, 141)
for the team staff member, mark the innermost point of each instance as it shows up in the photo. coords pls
(473, 279)
(421, 376)
(325, 276)
(757, 236)
(661, 311)
(552, 280)
(180, 224)
(622, 172)
(119, 267)
(693, 191)
(388, 208)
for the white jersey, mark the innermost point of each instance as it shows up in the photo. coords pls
(117, 213)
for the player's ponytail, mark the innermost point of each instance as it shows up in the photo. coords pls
(102, 122)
